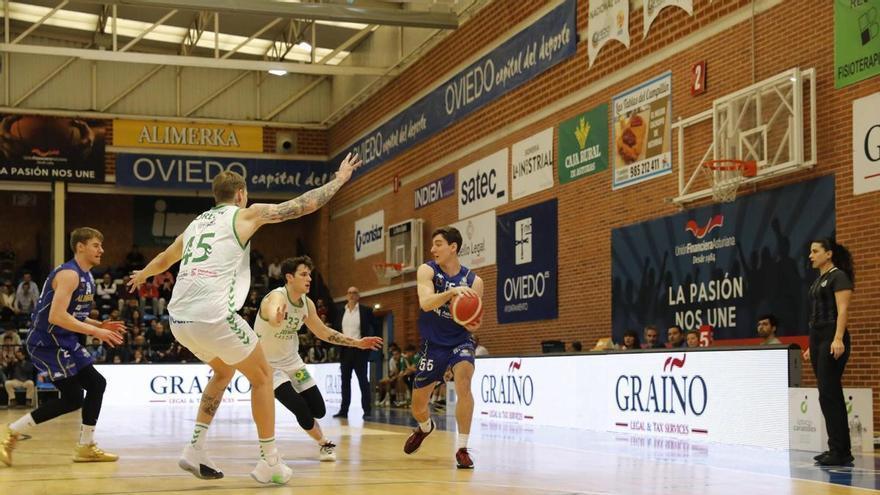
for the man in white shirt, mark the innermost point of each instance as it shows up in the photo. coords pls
(355, 321)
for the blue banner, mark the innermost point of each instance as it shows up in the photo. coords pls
(548, 41)
(722, 265)
(197, 172)
(434, 191)
(527, 264)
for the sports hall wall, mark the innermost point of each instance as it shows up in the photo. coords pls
(779, 36)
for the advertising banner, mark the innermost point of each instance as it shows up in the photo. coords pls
(608, 20)
(583, 144)
(866, 144)
(653, 7)
(532, 164)
(187, 136)
(477, 240)
(163, 385)
(527, 264)
(434, 191)
(46, 149)
(856, 41)
(197, 172)
(547, 42)
(642, 132)
(722, 266)
(482, 185)
(711, 396)
(159, 220)
(369, 235)
(807, 427)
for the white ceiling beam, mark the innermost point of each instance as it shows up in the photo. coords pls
(189, 61)
(135, 85)
(44, 81)
(215, 94)
(290, 101)
(148, 30)
(316, 11)
(39, 22)
(262, 30)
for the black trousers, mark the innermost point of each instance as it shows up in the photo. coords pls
(829, 372)
(355, 360)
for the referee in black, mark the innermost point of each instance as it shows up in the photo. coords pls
(830, 342)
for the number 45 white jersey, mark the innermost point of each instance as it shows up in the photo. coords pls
(215, 271)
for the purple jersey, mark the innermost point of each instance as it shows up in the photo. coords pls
(437, 326)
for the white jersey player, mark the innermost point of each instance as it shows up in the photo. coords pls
(212, 284)
(282, 312)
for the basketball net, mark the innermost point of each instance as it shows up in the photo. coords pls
(387, 271)
(726, 177)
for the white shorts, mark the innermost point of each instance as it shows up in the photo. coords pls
(231, 340)
(298, 376)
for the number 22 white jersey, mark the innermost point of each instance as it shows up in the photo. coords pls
(281, 344)
(215, 273)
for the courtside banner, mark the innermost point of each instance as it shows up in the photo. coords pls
(197, 172)
(700, 395)
(163, 385)
(547, 42)
(721, 266)
(527, 264)
(42, 148)
(187, 136)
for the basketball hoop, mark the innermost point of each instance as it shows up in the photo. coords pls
(727, 175)
(386, 271)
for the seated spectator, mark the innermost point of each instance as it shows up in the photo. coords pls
(20, 373)
(95, 314)
(148, 293)
(332, 353)
(165, 291)
(318, 353)
(603, 344)
(386, 385)
(693, 338)
(97, 351)
(122, 293)
(26, 297)
(12, 334)
(114, 315)
(160, 342)
(321, 310)
(129, 306)
(138, 357)
(106, 292)
(181, 354)
(276, 280)
(7, 301)
(7, 354)
(767, 329)
(631, 341)
(652, 338)
(117, 359)
(163, 277)
(409, 368)
(675, 337)
(576, 346)
(479, 350)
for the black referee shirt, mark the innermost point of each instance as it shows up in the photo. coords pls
(823, 306)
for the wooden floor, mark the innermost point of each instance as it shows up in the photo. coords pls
(509, 460)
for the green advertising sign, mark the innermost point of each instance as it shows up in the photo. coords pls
(856, 41)
(583, 144)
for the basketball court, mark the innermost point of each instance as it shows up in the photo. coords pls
(509, 459)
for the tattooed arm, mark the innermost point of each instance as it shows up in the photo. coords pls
(259, 214)
(327, 334)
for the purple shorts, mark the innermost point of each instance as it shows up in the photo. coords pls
(436, 359)
(60, 361)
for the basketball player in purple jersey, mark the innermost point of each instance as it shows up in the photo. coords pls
(445, 343)
(61, 313)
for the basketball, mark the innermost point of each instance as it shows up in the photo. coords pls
(466, 309)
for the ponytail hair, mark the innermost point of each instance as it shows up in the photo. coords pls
(840, 256)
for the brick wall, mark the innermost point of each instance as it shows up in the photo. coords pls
(791, 34)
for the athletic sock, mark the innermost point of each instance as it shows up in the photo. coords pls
(23, 424)
(268, 452)
(426, 426)
(462, 441)
(200, 432)
(86, 435)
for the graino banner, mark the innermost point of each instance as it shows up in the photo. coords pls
(722, 265)
(187, 136)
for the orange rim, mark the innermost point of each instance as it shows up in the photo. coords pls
(749, 167)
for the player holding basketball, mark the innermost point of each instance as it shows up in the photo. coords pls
(445, 343)
(213, 283)
(282, 312)
(60, 314)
